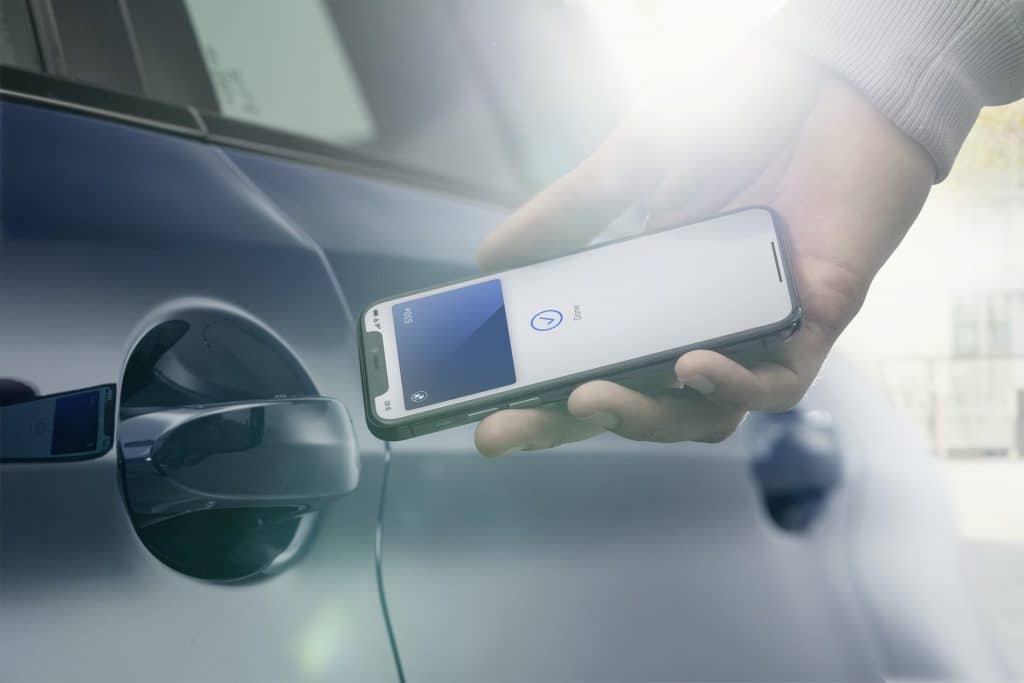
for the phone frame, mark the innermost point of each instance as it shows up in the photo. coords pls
(109, 416)
(631, 372)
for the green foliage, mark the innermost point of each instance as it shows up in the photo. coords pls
(993, 154)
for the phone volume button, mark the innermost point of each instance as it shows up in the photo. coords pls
(526, 402)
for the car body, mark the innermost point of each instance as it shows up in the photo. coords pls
(127, 206)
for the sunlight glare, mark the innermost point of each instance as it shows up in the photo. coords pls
(654, 42)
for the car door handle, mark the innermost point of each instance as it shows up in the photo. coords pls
(797, 464)
(288, 453)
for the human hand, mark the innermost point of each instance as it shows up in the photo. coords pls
(774, 131)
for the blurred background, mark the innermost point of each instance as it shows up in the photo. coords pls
(942, 332)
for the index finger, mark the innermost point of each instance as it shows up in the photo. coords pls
(567, 214)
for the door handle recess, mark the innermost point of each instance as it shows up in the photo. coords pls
(288, 453)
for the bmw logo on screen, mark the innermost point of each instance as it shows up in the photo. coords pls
(418, 396)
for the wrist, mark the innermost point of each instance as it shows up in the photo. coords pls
(928, 67)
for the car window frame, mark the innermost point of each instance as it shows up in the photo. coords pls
(51, 87)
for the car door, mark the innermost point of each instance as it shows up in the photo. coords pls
(134, 252)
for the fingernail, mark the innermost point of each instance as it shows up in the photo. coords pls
(698, 383)
(602, 419)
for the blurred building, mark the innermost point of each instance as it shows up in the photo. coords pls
(970, 400)
(943, 327)
(980, 390)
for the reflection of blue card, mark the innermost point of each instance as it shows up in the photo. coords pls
(453, 344)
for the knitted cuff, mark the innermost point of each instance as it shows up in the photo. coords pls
(928, 66)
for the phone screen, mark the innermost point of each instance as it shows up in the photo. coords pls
(596, 308)
(70, 425)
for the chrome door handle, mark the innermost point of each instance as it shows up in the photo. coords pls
(289, 453)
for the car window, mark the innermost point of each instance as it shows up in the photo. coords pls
(288, 69)
(499, 98)
(17, 41)
(479, 94)
(168, 53)
(96, 44)
(387, 80)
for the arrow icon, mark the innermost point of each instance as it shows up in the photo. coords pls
(546, 320)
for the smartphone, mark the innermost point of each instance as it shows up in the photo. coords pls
(68, 426)
(622, 310)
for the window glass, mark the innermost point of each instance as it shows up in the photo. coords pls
(96, 44)
(168, 53)
(966, 323)
(17, 41)
(283, 67)
(390, 80)
(1000, 324)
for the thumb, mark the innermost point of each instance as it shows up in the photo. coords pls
(565, 216)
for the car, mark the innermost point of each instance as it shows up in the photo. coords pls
(196, 199)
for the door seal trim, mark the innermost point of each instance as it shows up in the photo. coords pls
(60, 93)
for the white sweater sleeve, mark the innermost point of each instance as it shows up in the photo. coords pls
(928, 65)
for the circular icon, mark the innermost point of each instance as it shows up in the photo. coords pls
(547, 319)
(418, 396)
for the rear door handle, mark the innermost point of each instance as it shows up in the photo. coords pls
(797, 465)
(288, 453)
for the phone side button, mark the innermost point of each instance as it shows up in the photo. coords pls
(424, 428)
(526, 403)
(437, 425)
(481, 414)
(557, 395)
(743, 347)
